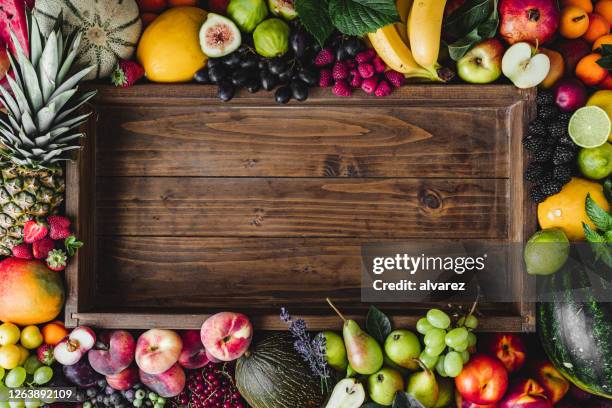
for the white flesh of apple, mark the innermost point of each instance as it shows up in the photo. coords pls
(348, 393)
(523, 69)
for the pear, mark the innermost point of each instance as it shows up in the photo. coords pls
(446, 393)
(423, 386)
(364, 354)
(335, 352)
(348, 393)
(384, 384)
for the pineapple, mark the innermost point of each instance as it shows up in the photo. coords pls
(40, 129)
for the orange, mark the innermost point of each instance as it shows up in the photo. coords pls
(574, 22)
(586, 5)
(598, 26)
(565, 210)
(589, 72)
(606, 39)
(604, 8)
(54, 332)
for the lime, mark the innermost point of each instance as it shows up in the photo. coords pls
(546, 252)
(596, 163)
(590, 127)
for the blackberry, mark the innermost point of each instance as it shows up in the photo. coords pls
(563, 154)
(545, 98)
(551, 188)
(562, 174)
(537, 127)
(534, 172)
(564, 117)
(532, 144)
(547, 112)
(566, 140)
(536, 194)
(557, 129)
(544, 154)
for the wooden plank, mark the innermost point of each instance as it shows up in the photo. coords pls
(280, 207)
(294, 142)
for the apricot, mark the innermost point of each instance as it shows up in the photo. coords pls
(598, 27)
(586, 5)
(604, 9)
(589, 72)
(574, 22)
(604, 40)
(557, 67)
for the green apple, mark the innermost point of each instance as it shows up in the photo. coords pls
(546, 252)
(482, 64)
(384, 384)
(403, 348)
(335, 352)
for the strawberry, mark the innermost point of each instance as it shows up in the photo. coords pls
(34, 231)
(41, 249)
(56, 261)
(127, 73)
(383, 89)
(59, 227)
(340, 71)
(341, 88)
(324, 58)
(396, 78)
(366, 70)
(22, 251)
(45, 354)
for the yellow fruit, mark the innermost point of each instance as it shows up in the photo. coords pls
(425, 30)
(9, 334)
(565, 210)
(403, 32)
(31, 337)
(603, 99)
(169, 49)
(9, 356)
(24, 354)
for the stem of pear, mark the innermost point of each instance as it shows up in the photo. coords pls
(335, 309)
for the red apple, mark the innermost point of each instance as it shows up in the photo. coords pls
(570, 94)
(460, 402)
(526, 394)
(534, 21)
(123, 380)
(168, 384)
(227, 335)
(193, 354)
(113, 352)
(572, 52)
(483, 381)
(510, 349)
(157, 350)
(554, 384)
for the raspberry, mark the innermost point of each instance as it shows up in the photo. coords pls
(379, 65)
(365, 56)
(366, 70)
(340, 71)
(351, 63)
(396, 78)
(325, 78)
(356, 80)
(369, 85)
(341, 88)
(324, 57)
(383, 89)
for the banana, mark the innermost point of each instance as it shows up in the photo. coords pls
(403, 8)
(396, 54)
(425, 30)
(403, 32)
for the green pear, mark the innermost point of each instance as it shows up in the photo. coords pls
(446, 392)
(335, 352)
(403, 348)
(423, 386)
(364, 354)
(348, 393)
(384, 384)
(390, 364)
(350, 372)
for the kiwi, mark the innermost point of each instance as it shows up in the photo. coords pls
(283, 8)
(219, 36)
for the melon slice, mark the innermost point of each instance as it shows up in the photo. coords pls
(12, 17)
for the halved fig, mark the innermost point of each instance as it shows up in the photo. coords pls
(219, 36)
(283, 8)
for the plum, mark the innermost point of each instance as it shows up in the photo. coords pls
(81, 374)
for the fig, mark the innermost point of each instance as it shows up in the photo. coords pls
(283, 8)
(247, 14)
(271, 38)
(219, 36)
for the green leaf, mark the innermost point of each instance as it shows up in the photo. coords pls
(608, 190)
(608, 236)
(592, 236)
(378, 325)
(72, 244)
(359, 17)
(605, 62)
(314, 15)
(405, 400)
(603, 253)
(600, 218)
(460, 47)
(467, 17)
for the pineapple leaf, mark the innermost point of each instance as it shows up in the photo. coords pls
(35, 39)
(71, 123)
(48, 67)
(29, 77)
(28, 123)
(76, 104)
(25, 140)
(72, 81)
(15, 69)
(72, 50)
(10, 103)
(57, 102)
(24, 107)
(70, 138)
(598, 215)
(43, 140)
(45, 117)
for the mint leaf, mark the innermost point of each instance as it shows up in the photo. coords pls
(600, 218)
(314, 15)
(359, 17)
(592, 236)
(378, 325)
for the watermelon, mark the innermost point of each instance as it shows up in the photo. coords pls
(12, 17)
(577, 335)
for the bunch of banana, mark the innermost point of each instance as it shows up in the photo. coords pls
(412, 46)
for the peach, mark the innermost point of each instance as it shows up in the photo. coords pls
(510, 349)
(113, 353)
(193, 354)
(554, 384)
(70, 350)
(557, 68)
(586, 5)
(227, 335)
(167, 384)
(526, 394)
(598, 26)
(574, 22)
(604, 9)
(157, 350)
(483, 381)
(124, 379)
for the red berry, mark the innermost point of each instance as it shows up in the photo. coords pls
(340, 71)
(325, 78)
(356, 80)
(396, 78)
(56, 261)
(341, 88)
(351, 63)
(22, 251)
(366, 70)
(365, 56)
(379, 65)
(369, 85)
(59, 227)
(45, 354)
(33, 231)
(127, 73)
(383, 89)
(41, 249)
(324, 57)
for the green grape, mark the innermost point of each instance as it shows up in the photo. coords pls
(423, 326)
(461, 347)
(440, 366)
(453, 364)
(161, 400)
(15, 377)
(438, 318)
(456, 337)
(137, 403)
(87, 404)
(471, 322)
(153, 396)
(32, 364)
(43, 375)
(435, 350)
(429, 360)
(472, 339)
(465, 356)
(434, 337)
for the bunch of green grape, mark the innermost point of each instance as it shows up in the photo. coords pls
(447, 348)
(31, 374)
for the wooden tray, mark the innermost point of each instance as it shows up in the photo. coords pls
(189, 205)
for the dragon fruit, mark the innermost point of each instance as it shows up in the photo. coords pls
(12, 16)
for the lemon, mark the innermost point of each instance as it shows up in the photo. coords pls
(603, 99)
(565, 210)
(590, 127)
(169, 49)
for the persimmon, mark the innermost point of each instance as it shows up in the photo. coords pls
(574, 22)
(598, 27)
(53, 332)
(589, 72)
(604, 9)
(586, 5)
